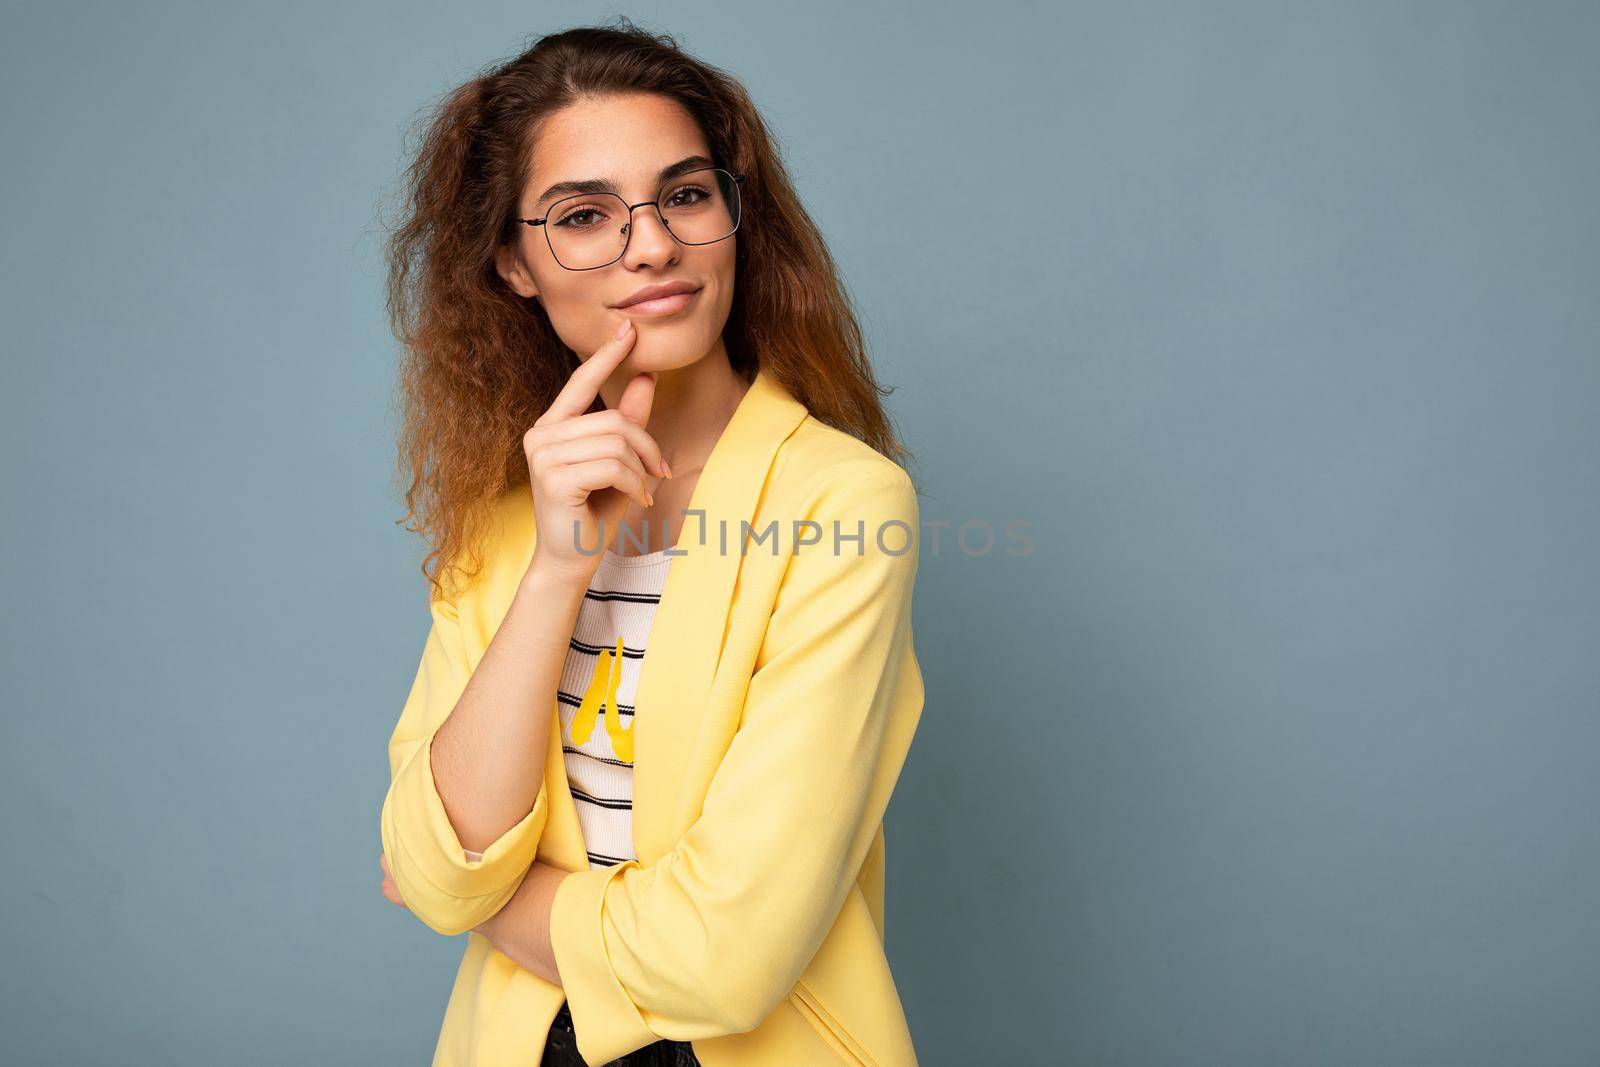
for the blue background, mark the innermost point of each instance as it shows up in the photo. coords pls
(1276, 324)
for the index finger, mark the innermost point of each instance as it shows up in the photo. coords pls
(578, 394)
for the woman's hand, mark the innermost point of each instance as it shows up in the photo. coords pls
(584, 466)
(388, 886)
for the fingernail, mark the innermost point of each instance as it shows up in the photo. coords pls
(666, 467)
(649, 499)
(622, 331)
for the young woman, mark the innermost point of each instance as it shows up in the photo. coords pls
(638, 415)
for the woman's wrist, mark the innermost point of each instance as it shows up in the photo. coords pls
(548, 575)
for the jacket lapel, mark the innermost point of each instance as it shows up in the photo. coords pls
(686, 636)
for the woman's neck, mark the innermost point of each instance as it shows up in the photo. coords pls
(692, 406)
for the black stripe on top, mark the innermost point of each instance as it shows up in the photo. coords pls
(576, 702)
(620, 804)
(569, 750)
(594, 650)
(631, 598)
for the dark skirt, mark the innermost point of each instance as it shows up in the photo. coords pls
(561, 1049)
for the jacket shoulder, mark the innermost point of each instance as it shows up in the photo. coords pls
(819, 462)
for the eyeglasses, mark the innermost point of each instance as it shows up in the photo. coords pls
(591, 230)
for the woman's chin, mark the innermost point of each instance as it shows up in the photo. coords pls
(662, 355)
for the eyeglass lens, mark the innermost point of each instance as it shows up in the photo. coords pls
(591, 230)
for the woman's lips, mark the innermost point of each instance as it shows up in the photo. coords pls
(665, 305)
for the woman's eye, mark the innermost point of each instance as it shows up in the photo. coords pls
(689, 194)
(585, 214)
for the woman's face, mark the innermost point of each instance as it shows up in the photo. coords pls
(628, 141)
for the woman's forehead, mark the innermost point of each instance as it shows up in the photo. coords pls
(621, 139)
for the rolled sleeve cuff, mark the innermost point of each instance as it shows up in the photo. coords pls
(607, 1021)
(417, 818)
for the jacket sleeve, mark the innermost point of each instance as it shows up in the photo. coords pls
(441, 883)
(712, 937)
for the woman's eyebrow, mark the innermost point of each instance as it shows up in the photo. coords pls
(604, 185)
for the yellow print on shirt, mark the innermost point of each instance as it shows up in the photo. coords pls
(602, 693)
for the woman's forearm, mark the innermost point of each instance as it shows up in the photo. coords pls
(489, 754)
(521, 929)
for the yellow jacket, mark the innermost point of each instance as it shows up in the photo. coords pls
(777, 705)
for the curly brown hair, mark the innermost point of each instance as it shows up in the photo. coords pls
(480, 364)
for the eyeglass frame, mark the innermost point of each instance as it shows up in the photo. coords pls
(738, 179)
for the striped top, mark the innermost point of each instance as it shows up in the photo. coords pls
(595, 699)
